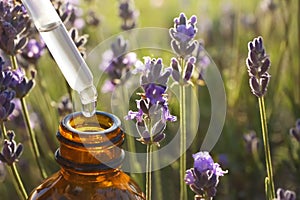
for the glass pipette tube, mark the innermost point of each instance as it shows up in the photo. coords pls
(64, 52)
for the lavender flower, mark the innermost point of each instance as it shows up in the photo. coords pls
(258, 63)
(93, 19)
(117, 63)
(65, 106)
(14, 24)
(20, 83)
(11, 151)
(295, 131)
(203, 178)
(69, 13)
(128, 14)
(153, 111)
(285, 194)
(183, 34)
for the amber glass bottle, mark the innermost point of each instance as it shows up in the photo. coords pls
(90, 158)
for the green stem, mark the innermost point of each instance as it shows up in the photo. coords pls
(20, 186)
(13, 60)
(183, 189)
(263, 119)
(33, 140)
(3, 130)
(148, 172)
(157, 176)
(30, 131)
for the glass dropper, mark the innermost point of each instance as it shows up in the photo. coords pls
(64, 52)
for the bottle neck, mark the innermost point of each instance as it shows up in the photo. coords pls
(90, 145)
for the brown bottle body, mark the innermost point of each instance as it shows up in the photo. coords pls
(90, 157)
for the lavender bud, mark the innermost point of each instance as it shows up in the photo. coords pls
(285, 194)
(176, 69)
(189, 69)
(158, 138)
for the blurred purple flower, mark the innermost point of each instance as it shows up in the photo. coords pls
(10, 150)
(93, 19)
(14, 24)
(128, 14)
(64, 106)
(33, 51)
(69, 13)
(203, 178)
(295, 131)
(117, 63)
(285, 194)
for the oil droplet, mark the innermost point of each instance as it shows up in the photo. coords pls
(89, 110)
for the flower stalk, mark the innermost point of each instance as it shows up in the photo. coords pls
(153, 111)
(258, 64)
(149, 171)
(20, 186)
(270, 181)
(182, 122)
(183, 44)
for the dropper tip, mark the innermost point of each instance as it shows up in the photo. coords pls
(88, 99)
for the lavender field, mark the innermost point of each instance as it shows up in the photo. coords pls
(185, 77)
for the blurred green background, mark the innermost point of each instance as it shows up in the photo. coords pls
(226, 27)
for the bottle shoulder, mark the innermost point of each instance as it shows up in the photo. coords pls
(117, 186)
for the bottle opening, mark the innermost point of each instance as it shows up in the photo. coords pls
(90, 143)
(99, 123)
